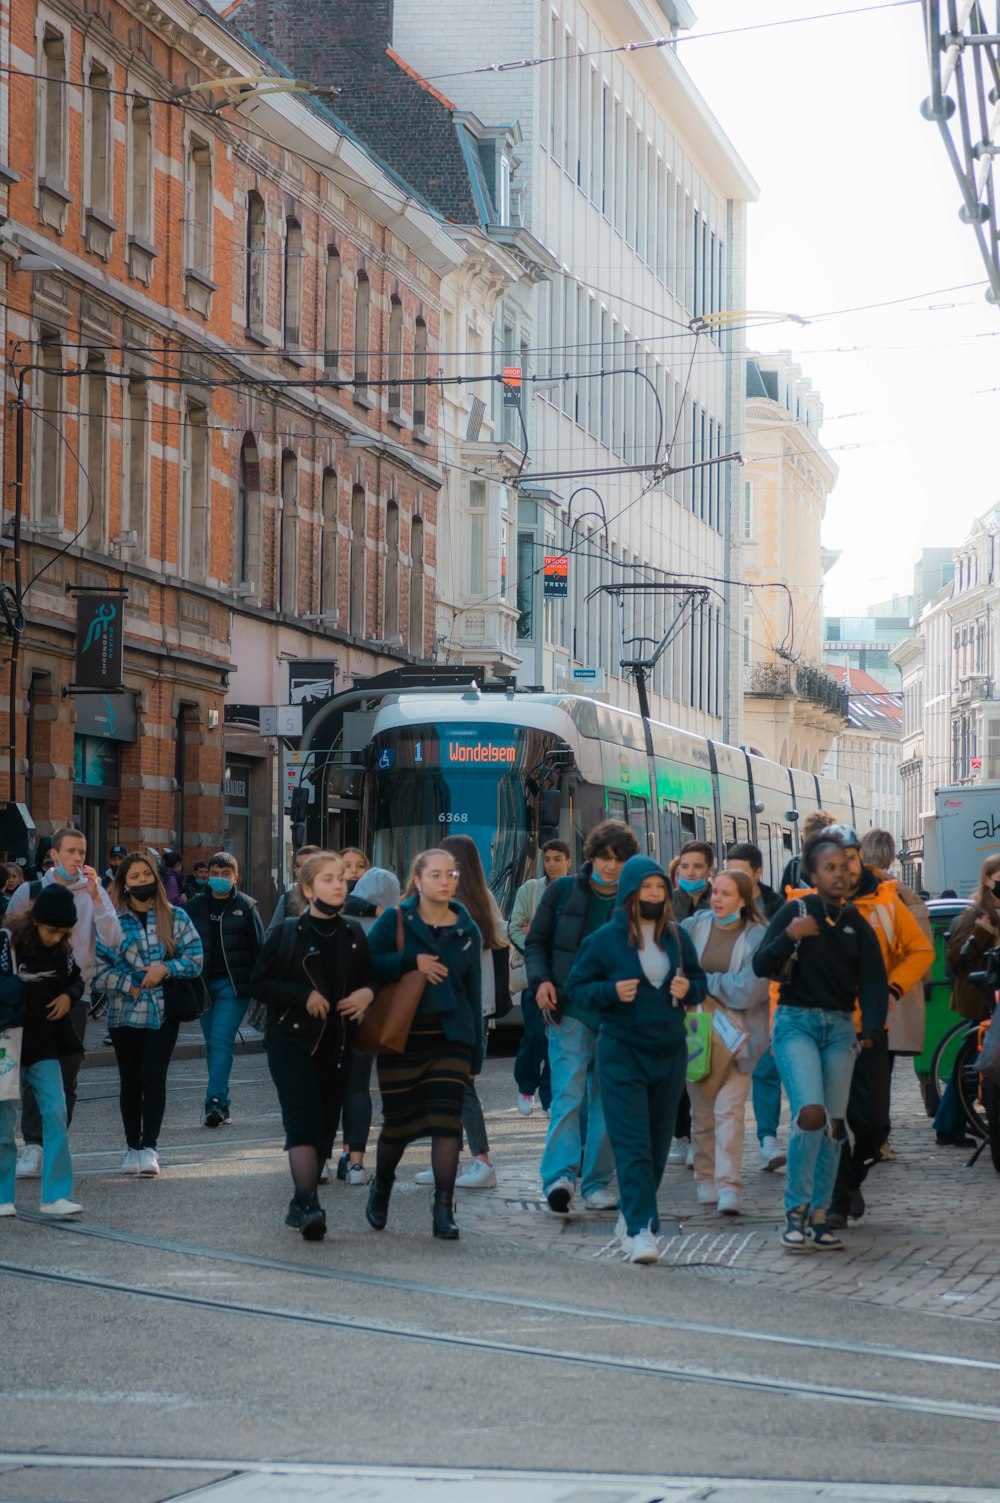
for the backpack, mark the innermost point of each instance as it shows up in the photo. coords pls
(257, 1012)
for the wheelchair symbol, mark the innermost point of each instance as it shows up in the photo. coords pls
(386, 759)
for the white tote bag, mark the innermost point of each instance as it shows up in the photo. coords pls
(10, 1063)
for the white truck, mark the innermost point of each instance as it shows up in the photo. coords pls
(963, 830)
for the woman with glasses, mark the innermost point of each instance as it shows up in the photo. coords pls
(423, 1089)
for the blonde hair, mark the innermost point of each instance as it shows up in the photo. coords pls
(311, 870)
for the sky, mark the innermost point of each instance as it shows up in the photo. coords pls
(858, 206)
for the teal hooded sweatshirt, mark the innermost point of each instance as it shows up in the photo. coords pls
(606, 957)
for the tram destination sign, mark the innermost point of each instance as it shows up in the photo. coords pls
(472, 747)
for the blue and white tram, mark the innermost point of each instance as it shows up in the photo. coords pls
(515, 769)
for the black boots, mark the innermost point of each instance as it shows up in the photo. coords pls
(443, 1215)
(377, 1209)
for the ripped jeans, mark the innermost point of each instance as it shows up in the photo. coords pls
(815, 1052)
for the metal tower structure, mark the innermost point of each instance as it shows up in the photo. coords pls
(963, 53)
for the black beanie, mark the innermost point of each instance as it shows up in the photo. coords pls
(55, 906)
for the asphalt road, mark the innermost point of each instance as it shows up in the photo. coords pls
(181, 1320)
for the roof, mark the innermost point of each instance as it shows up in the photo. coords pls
(855, 680)
(870, 705)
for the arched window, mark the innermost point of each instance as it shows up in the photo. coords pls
(256, 259)
(292, 322)
(332, 337)
(395, 355)
(416, 642)
(419, 374)
(391, 574)
(328, 554)
(358, 546)
(362, 321)
(288, 563)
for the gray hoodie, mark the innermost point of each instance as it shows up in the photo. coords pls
(91, 924)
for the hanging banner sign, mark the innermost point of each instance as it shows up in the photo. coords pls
(100, 641)
(555, 576)
(511, 385)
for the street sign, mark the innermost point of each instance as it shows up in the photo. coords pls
(555, 576)
(294, 764)
(511, 385)
(589, 678)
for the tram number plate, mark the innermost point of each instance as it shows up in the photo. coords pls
(453, 819)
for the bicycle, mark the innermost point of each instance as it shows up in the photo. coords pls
(955, 1057)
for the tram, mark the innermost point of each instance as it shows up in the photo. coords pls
(513, 769)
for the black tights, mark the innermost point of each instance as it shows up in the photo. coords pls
(444, 1161)
(303, 1162)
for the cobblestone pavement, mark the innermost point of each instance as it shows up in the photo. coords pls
(929, 1241)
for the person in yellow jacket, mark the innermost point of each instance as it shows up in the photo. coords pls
(907, 954)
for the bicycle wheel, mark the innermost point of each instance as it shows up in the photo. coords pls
(942, 1063)
(967, 1083)
(991, 1102)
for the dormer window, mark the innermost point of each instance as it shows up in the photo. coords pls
(503, 188)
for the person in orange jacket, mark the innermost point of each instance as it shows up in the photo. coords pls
(907, 954)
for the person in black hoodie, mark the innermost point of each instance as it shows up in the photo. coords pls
(825, 956)
(39, 984)
(326, 984)
(229, 925)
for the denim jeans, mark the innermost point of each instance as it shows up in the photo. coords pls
(220, 1025)
(766, 1091)
(69, 1066)
(949, 1119)
(531, 1067)
(45, 1080)
(575, 1084)
(815, 1052)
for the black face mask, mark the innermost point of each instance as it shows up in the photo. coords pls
(327, 909)
(142, 892)
(651, 911)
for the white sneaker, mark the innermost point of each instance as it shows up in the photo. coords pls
(29, 1165)
(772, 1156)
(8, 1208)
(706, 1193)
(679, 1151)
(644, 1247)
(478, 1176)
(424, 1177)
(357, 1174)
(621, 1232)
(729, 1203)
(326, 1173)
(689, 1157)
(526, 1105)
(60, 1208)
(149, 1163)
(601, 1199)
(130, 1163)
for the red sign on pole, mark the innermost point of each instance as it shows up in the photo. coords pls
(511, 385)
(555, 576)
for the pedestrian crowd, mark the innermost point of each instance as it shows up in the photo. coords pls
(656, 1004)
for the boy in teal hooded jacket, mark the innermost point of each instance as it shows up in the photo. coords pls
(640, 972)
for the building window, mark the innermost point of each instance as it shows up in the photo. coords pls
(195, 530)
(420, 374)
(256, 259)
(136, 465)
(292, 319)
(525, 585)
(141, 251)
(288, 563)
(477, 538)
(93, 449)
(100, 168)
(395, 371)
(391, 629)
(247, 517)
(332, 309)
(198, 208)
(328, 553)
(362, 321)
(356, 612)
(47, 467)
(52, 164)
(417, 587)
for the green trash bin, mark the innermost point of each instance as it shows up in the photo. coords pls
(937, 991)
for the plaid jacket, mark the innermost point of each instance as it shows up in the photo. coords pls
(118, 970)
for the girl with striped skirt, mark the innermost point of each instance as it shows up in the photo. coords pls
(423, 1089)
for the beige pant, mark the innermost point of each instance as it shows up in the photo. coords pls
(718, 1123)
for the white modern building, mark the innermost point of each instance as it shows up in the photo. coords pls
(622, 172)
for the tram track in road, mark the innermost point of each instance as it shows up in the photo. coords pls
(670, 1372)
(527, 1303)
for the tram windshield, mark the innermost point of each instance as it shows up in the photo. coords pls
(476, 779)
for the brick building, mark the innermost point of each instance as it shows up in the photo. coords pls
(209, 294)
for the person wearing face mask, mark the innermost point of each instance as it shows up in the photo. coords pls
(639, 972)
(572, 908)
(726, 938)
(158, 941)
(531, 1067)
(972, 933)
(356, 863)
(693, 879)
(231, 932)
(290, 903)
(197, 883)
(316, 977)
(116, 856)
(95, 920)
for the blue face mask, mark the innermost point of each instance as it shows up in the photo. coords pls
(692, 884)
(731, 918)
(220, 887)
(66, 876)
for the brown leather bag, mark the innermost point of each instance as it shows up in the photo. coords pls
(386, 1025)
